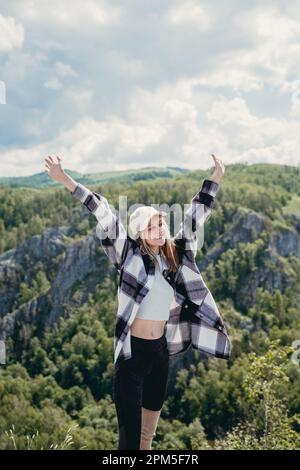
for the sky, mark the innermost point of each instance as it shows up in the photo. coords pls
(116, 85)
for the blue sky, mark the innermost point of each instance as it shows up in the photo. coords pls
(126, 84)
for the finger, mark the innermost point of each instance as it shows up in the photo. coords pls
(58, 158)
(48, 161)
(51, 158)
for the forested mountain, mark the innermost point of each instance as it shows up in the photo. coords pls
(58, 305)
(42, 180)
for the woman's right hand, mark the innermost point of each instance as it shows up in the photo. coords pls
(54, 169)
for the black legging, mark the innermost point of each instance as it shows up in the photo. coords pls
(139, 381)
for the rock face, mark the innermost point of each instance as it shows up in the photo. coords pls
(65, 263)
(68, 261)
(18, 265)
(285, 242)
(248, 226)
(294, 220)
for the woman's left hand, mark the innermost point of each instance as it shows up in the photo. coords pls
(219, 169)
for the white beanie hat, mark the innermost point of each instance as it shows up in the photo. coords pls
(140, 217)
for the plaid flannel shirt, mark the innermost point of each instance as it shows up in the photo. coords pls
(194, 316)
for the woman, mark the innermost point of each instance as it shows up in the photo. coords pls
(178, 311)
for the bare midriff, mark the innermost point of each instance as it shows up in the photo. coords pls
(147, 329)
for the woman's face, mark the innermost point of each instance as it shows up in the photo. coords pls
(155, 233)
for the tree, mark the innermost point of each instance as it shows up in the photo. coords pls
(269, 426)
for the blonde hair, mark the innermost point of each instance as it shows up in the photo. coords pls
(168, 250)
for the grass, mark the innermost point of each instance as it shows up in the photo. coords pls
(30, 440)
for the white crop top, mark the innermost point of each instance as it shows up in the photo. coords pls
(156, 304)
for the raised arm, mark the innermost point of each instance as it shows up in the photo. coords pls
(109, 228)
(199, 211)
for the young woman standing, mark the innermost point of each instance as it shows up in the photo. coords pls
(158, 280)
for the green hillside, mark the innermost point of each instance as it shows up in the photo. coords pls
(59, 300)
(42, 180)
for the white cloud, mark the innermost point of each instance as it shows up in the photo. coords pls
(53, 84)
(267, 57)
(189, 14)
(255, 139)
(228, 73)
(127, 67)
(11, 34)
(65, 70)
(79, 99)
(164, 83)
(62, 70)
(268, 22)
(163, 130)
(75, 15)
